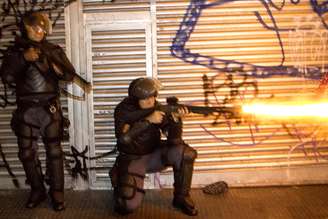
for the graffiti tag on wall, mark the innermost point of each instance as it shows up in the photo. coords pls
(306, 47)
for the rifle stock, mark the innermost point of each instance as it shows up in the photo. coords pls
(52, 56)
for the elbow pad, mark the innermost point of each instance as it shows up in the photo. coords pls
(125, 139)
(134, 131)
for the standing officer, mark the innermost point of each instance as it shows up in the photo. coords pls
(34, 67)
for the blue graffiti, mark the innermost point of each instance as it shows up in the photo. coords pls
(320, 9)
(178, 48)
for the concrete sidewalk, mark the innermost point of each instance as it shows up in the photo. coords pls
(268, 202)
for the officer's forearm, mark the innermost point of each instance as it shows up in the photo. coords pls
(128, 137)
(137, 115)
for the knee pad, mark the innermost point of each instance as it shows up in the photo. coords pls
(121, 206)
(54, 152)
(127, 187)
(26, 154)
(189, 154)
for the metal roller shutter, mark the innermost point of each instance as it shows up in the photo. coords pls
(120, 51)
(217, 39)
(221, 38)
(96, 6)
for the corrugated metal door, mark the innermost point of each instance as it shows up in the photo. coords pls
(204, 48)
(227, 52)
(7, 138)
(96, 6)
(119, 50)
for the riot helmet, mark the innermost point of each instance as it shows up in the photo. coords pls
(142, 88)
(36, 25)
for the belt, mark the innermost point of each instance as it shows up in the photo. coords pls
(36, 102)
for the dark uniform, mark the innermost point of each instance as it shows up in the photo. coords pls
(142, 151)
(38, 112)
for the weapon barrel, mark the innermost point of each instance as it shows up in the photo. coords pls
(201, 109)
(205, 110)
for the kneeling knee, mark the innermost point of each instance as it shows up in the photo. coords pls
(123, 207)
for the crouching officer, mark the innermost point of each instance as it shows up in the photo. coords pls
(138, 127)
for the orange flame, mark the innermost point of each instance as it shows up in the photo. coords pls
(290, 110)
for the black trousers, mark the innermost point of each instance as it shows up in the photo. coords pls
(129, 172)
(31, 122)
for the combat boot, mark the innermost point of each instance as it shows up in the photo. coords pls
(57, 200)
(35, 198)
(182, 183)
(35, 179)
(56, 179)
(186, 204)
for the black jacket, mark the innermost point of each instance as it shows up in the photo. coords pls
(36, 78)
(142, 137)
